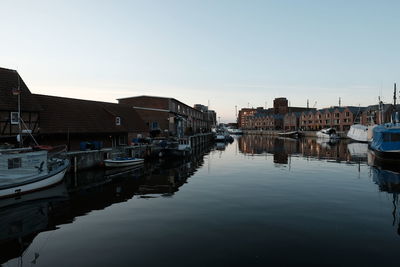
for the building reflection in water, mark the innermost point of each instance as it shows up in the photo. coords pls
(21, 220)
(283, 148)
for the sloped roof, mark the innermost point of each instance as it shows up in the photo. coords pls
(9, 80)
(62, 115)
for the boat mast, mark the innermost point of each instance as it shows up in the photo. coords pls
(17, 92)
(394, 115)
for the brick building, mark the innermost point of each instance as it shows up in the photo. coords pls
(340, 118)
(291, 121)
(244, 116)
(270, 119)
(170, 116)
(72, 121)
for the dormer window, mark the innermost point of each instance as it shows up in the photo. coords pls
(117, 120)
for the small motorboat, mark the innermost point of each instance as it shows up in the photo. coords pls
(292, 134)
(122, 162)
(358, 132)
(328, 133)
(235, 131)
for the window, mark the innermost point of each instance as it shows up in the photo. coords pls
(395, 137)
(154, 125)
(14, 118)
(347, 114)
(117, 120)
(337, 115)
(14, 163)
(391, 137)
(122, 140)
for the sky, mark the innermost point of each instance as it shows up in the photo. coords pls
(225, 53)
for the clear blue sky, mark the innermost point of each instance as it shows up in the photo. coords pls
(231, 53)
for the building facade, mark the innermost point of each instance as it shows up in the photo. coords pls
(16, 101)
(169, 116)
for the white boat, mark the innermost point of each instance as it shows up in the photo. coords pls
(358, 132)
(235, 131)
(23, 171)
(328, 133)
(122, 162)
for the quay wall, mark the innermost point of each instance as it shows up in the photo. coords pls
(83, 160)
(275, 133)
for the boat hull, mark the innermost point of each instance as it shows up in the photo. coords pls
(37, 184)
(358, 133)
(122, 163)
(294, 134)
(388, 155)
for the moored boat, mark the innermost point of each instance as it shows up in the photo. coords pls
(24, 170)
(122, 162)
(328, 133)
(386, 142)
(235, 131)
(292, 134)
(359, 133)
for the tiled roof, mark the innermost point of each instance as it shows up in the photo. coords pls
(8, 81)
(62, 115)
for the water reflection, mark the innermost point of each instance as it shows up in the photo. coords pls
(389, 182)
(23, 219)
(283, 148)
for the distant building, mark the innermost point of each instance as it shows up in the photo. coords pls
(244, 117)
(270, 119)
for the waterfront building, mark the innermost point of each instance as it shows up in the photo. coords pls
(13, 87)
(291, 121)
(311, 119)
(269, 119)
(170, 116)
(53, 120)
(76, 121)
(244, 117)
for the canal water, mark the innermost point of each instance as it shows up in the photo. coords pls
(260, 201)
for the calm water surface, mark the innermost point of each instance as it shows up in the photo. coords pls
(256, 202)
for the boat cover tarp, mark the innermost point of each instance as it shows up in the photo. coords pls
(386, 138)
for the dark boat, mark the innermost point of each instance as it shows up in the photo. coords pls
(293, 134)
(386, 142)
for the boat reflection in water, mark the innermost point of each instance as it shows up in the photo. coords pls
(387, 177)
(283, 148)
(23, 219)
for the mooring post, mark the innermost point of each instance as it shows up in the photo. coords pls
(75, 165)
